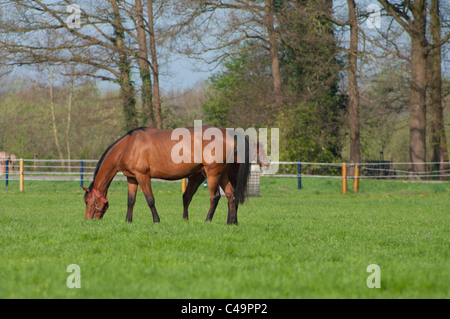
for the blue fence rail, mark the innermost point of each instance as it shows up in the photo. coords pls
(82, 169)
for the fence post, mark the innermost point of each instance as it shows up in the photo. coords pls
(21, 175)
(299, 174)
(81, 172)
(183, 185)
(7, 171)
(344, 178)
(356, 179)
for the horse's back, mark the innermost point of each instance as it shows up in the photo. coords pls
(149, 152)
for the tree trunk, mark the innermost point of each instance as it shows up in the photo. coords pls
(416, 29)
(438, 139)
(126, 86)
(144, 68)
(156, 96)
(417, 98)
(353, 94)
(273, 43)
(69, 111)
(52, 109)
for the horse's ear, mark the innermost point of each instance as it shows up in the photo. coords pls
(85, 188)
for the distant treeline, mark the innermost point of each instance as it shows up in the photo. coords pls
(343, 80)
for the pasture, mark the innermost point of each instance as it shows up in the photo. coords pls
(290, 243)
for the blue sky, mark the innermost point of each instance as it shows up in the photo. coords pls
(181, 74)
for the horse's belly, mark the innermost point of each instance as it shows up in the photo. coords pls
(174, 171)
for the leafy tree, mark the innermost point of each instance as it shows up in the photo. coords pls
(240, 94)
(311, 122)
(310, 119)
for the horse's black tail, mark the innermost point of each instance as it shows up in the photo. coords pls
(243, 175)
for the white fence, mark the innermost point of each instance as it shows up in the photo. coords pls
(368, 170)
(83, 170)
(52, 170)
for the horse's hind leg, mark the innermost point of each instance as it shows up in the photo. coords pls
(233, 170)
(232, 204)
(132, 188)
(194, 182)
(146, 186)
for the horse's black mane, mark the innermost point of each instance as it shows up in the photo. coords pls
(100, 162)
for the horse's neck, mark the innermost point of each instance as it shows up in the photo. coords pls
(107, 171)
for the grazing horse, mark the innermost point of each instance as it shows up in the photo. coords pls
(146, 153)
(3, 157)
(257, 153)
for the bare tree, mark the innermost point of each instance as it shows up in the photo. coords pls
(105, 43)
(438, 138)
(144, 65)
(155, 68)
(412, 17)
(52, 111)
(69, 115)
(353, 90)
(230, 25)
(269, 12)
(126, 86)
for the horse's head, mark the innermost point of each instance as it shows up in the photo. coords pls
(96, 204)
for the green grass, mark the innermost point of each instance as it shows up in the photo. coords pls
(309, 243)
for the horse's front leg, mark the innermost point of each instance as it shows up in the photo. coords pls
(132, 188)
(214, 193)
(146, 186)
(214, 201)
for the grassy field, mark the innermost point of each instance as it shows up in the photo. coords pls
(309, 243)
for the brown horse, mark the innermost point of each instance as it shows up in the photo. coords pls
(3, 159)
(146, 153)
(257, 153)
